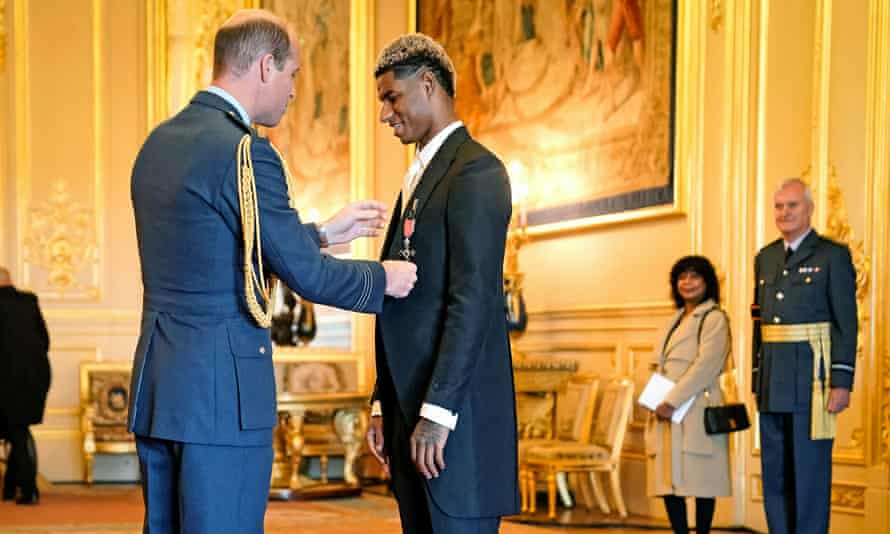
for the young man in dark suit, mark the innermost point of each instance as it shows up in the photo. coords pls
(213, 212)
(805, 333)
(444, 419)
(24, 383)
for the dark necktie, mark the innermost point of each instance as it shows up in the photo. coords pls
(788, 252)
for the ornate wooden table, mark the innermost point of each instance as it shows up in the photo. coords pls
(538, 383)
(342, 436)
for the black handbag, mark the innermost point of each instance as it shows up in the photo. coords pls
(731, 416)
(726, 418)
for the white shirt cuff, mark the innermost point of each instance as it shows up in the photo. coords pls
(376, 409)
(439, 415)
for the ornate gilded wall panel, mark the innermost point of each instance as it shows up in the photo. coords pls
(59, 187)
(60, 246)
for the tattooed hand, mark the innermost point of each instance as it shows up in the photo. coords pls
(428, 447)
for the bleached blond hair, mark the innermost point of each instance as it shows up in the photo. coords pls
(410, 53)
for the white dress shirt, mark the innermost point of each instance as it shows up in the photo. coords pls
(796, 243)
(422, 159)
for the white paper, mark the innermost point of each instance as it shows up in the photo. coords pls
(656, 390)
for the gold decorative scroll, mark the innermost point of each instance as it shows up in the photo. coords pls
(838, 228)
(61, 240)
(848, 498)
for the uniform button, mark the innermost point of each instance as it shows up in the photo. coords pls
(762, 282)
(780, 295)
(808, 280)
(777, 319)
(262, 350)
(784, 272)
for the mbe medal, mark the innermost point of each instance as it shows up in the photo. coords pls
(407, 253)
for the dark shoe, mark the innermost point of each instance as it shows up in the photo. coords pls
(8, 496)
(33, 498)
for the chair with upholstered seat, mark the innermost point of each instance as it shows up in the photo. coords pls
(583, 389)
(602, 454)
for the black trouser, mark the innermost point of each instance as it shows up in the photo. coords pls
(21, 468)
(676, 509)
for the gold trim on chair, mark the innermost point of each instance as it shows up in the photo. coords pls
(601, 455)
(104, 397)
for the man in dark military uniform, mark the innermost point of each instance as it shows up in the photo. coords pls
(805, 330)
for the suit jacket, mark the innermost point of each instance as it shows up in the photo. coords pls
(446, 343)
(203, 369)
(698, 462)
(818, 284)
(24, 365)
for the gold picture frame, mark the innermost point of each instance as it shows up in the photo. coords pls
(690, 29)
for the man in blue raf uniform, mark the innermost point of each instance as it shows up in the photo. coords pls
(805, 330)
(445, 423)
(213, 213)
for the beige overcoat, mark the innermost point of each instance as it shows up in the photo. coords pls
(681, 458)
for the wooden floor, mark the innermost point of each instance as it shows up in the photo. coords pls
(118, 510)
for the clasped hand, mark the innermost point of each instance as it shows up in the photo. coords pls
(362, 218)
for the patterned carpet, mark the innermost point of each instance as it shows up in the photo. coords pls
(118, 510)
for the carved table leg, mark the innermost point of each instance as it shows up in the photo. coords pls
(295, 442)
(349, 424)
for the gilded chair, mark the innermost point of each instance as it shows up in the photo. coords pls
(104, 398)
(582, 391)
(602, 454)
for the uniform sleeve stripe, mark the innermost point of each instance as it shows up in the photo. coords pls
(367, 280)
(842, 367)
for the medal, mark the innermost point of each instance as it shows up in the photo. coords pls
(407, 253)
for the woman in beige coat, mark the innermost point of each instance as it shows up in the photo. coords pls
(682, 459)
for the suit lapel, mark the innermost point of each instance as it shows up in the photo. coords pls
(435, 171)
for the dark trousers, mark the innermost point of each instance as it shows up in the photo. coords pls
(21, 468)
(796, 474)
(418, 512)
(203, 489)
(676, 510)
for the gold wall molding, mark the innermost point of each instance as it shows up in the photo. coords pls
(61, 240)
(21, 166)
(877, 174)
(2, 35)
(716, 19)
(157, 98)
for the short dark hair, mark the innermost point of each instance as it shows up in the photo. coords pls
(409, 54)
(236, 47)
(701, 266)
